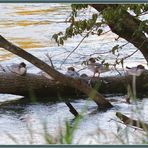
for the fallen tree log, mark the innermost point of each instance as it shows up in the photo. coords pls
(40, 86)
(132, 122)
(118, 84)
(33, 85)
(98, 98)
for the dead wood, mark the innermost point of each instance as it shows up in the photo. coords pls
(129, 121)
(40, 86)
(72, 109)
(75, 83)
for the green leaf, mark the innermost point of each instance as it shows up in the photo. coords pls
(68, 134)
(61, 41)
(55, 37)
(106, 65)
(69, 31)
(94, 17)
(98, 24)
(99, 31)
(114, 49)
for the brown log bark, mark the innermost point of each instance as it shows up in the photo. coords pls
(78, 84)
(40, 86)
(128, 27)
(129, 121)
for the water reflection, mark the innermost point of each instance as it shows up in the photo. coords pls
(35, 12)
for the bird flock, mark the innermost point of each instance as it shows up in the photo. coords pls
(95, 67)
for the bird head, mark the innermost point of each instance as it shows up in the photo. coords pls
(22, 64)
(71, 68)
(140, 67)
(92, 60)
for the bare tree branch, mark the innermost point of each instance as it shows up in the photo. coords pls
(74, 49)
(50, 60)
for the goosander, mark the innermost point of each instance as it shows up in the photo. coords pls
(72, 73)
(19, 69)
(96, 67)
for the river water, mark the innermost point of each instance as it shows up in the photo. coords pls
(31, 27)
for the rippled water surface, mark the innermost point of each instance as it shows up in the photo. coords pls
(31, 27)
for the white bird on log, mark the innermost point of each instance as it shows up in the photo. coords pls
(96, 67)
(72, 73)
(135, 72)
(19, 69)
